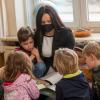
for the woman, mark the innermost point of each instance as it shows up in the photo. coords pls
(51, 34)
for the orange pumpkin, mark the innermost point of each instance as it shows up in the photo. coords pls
(82, 33)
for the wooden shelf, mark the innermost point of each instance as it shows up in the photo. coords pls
(9, 39)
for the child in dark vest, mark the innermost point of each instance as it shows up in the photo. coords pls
(73, 85)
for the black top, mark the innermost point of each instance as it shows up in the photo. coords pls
(63, 38)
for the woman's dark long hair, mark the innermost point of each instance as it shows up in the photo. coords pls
(56, 21)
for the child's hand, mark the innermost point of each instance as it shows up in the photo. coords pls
(32, 57)
(43, 82)
(35, 53)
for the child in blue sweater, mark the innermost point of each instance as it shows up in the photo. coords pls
(73, 85)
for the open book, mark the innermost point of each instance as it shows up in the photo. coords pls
(51, 78)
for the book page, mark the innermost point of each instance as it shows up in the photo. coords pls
(52, 87)
(41, 86)
(53, 77)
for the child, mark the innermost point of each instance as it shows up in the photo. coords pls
(82, 63)
(92, 54)
(81, 59)
(73, 86)
(26, 41)
(19, 82)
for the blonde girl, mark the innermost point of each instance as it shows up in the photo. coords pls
(19, 82)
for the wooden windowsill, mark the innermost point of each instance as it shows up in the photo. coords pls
(94, 36)
(9, 39)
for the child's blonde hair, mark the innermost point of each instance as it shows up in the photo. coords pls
(92, 47)
(17, 62)
(65, 61)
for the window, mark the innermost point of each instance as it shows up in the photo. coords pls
(77, 13)
(74, 14)
(64, 8)
(93, 10)
(20, 13)
(90, 16)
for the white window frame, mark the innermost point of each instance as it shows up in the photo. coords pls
(80, 17)
(20, 13)
(93, 25)
(76, 10)
(9, 23)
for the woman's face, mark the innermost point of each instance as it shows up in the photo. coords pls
(46, 19)
(46, 23)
